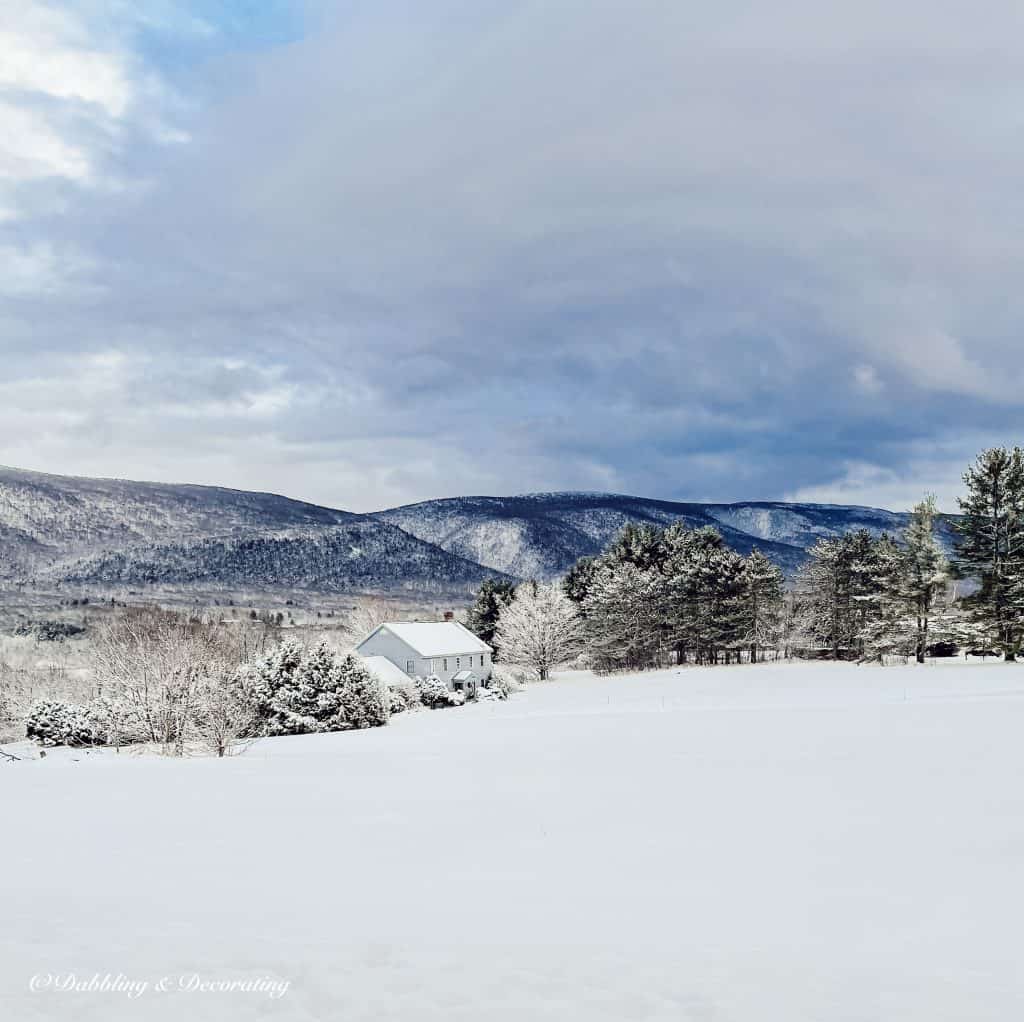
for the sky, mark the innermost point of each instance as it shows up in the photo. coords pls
(368, 254)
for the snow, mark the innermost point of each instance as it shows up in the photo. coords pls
(385, 670)
(433, 638)
(809, 842)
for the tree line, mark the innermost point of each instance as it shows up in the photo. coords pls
(673, 595)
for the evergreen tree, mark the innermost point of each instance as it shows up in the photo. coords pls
(623, 616)
(303, 691)
(482, 618)
(704, 594)
(925, 572)
(762, 601)
(839, 589)
(990, 544)
(640, 545)
(579, 578)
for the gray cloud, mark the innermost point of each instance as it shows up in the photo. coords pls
(721, 253)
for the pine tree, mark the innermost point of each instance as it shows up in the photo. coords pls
(482, 618)
(703, 607)
(839, 589)
(990, 544)
(924, 572)
(579, 578)
(303, 691)
(884, 626)
(640, 545)
(623, 617)
(762, 601)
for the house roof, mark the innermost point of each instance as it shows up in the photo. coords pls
(385, 670)
(433, 638)
(464, 676)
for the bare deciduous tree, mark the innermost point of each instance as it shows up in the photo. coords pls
(171, 678)
(539, 629)
(363, 618)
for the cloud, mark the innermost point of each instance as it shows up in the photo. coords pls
(717, 253)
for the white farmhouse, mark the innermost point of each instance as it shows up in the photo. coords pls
(444, 648)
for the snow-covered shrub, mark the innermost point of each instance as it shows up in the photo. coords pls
(54, 722)
(361, 699)
(224, 715)
(508, 677)
(302, 691)
(403, 697)
(434, 694)
(114, 722)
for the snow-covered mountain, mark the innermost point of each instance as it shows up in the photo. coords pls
(362, 555)
(56, 529)
(63, 529)
(541, 534)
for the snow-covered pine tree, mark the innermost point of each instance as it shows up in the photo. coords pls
(641, 545)
(761, 601)
(539, 629)
(302, 691)
(990, 545)
(623, 611)
(838, 588)
(579, 578)
(363, 700)
(482, 618)
(703, 611)
(884, 627)
(924, 574)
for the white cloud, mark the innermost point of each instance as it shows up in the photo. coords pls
(34, 148)
(48, 51)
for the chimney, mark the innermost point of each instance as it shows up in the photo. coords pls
(449, 615)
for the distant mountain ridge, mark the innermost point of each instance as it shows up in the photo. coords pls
(541, 535)
(81, 531)
(61, 529)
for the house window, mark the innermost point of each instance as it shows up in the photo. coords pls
(410, 667)
(445, 662)
(458, 663)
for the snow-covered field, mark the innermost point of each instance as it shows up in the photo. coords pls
(809, 842)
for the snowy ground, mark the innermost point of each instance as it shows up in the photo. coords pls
(789, 843)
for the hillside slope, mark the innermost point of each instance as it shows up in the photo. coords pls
(57, 528)
(52, 517)
(542, 534)
(362, 555)
(68, 529)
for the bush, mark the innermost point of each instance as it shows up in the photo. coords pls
(114, 723)
(54, 722)
(434, 694)
(298, 691)
(403, 697)
(49, 631)
(511, 679)
(499, 687)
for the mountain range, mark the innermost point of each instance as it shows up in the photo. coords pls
(62, 530)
